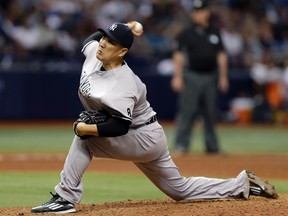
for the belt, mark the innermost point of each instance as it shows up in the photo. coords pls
(151, 120)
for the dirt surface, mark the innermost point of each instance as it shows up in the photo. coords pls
(273, 166)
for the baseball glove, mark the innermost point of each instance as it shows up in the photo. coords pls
(90, 117)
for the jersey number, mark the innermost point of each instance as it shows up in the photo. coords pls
(129, 112)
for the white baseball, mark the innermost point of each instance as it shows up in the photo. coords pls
(138, 27)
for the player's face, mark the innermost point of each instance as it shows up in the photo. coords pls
(109, 51)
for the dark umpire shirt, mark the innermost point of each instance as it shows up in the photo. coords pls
(201, 46)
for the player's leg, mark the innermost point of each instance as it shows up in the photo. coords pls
(147, 148)
(141, 144)
(136, 145)
(70, 189)
(76, 163)
(209, 114)
(187, 110)
(165, 175)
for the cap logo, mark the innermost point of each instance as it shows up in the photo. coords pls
(197, 3)
(113, 27)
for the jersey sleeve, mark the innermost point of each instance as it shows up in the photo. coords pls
(88, 47)
(95, 37)
(179, 42)
(122, 106)
(220, 46)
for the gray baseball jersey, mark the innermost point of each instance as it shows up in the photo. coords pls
(120, 91)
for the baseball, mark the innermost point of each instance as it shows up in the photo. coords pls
(138, 27)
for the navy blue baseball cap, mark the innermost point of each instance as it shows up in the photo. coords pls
(200, 4)
(120, 33)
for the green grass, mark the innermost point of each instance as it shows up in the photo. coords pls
(35, 139)
(240, 139)
(32, 188)
(232, 139)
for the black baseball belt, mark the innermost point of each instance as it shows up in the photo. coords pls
(151, 120)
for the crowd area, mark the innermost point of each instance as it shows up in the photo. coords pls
(254, 33)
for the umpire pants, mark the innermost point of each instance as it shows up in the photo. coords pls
(199, 97)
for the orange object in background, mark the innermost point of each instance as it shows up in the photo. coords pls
(274, 94)
(244, 116)
(242, 108)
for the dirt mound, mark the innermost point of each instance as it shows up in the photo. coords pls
(254, 206)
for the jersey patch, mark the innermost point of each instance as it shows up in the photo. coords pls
(213, 39)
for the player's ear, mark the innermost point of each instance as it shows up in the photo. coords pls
(123, 51)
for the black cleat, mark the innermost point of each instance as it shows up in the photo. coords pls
(56, 205)
(258, 187)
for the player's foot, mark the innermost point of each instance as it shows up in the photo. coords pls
(56, 205)
(258, 187)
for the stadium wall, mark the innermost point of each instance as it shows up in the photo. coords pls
(53, 95)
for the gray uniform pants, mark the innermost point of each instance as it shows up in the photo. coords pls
(199, 97)
(147, 148)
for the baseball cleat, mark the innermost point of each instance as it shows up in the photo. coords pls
(258, 187)
(56, 205)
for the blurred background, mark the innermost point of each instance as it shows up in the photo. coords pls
(40, 58)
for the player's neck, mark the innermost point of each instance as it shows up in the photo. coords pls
(113, 65)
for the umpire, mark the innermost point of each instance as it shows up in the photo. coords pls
(199, 58)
